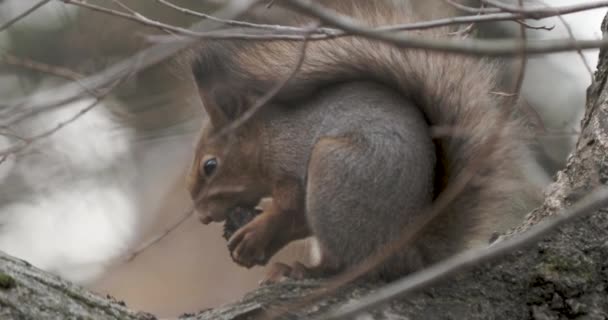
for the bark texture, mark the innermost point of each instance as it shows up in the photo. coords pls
(565, 276)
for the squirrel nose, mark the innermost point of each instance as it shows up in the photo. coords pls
(208, 216)
(205, 219)
(203, 216)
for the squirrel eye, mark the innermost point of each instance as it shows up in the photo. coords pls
(209, 166)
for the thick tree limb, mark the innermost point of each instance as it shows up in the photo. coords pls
(29, 293)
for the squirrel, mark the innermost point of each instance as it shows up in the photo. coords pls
(346, 150)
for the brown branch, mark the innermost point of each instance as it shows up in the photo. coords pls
(524, 59)
(503, 7)
(228, 22)
(419, 225)
(252, 110)
(445, 198)
(258, 104)
(529, 26)
(125, 7)
(28, 141)
(544, 11)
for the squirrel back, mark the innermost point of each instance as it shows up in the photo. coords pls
(455, 95)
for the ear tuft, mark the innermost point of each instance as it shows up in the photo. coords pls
(223, 105)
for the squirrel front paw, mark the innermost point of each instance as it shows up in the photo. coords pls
(248, 244)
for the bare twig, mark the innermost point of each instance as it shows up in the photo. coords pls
(419, 225)
(597, 200)
(26, 13)
(154, 240)
(262, 101)
(143, 58)
(503, 7)
(524, 59)
(368, 264)
(25, 142)
(571, 34)
(70, 92)
(544, 12)
(465, 8)
(474, 47)
(124, 6)
(133, 16)
(27, 63)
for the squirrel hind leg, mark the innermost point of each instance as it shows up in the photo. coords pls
(322, 266)
(363, 190)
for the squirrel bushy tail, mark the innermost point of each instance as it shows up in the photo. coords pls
(457, 95)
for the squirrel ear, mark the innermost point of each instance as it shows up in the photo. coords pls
(216, 115)
(223, 106)
(214, 73)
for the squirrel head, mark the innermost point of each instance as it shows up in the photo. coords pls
(226, 172)
(228, 168)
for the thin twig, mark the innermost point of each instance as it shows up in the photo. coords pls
(262, 101)
(234, 23)
(136, 17)
(474, 47)
(256, 106)
(465, 8)
(57, 71)
(150, 56)
(28, 141)
(124, 6)
(26, 13)
(597, 200)
(154, 240)
(571, 34)
(28, 63)
(519, 81)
